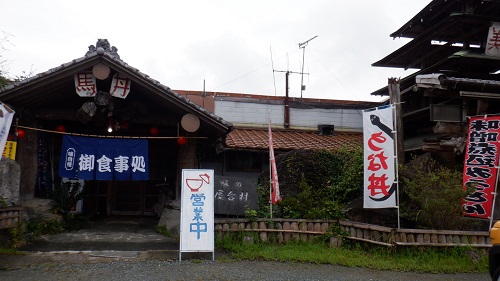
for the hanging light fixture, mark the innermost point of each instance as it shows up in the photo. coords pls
(190, 122)
(61, 128)
(21, 133)
(102, 98)
(110, 125)
(101, 71)
(181, 140)
(154, 131)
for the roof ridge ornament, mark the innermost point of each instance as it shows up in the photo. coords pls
(102, 46)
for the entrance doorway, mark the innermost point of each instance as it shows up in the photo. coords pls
(120, 198)
(127, 197)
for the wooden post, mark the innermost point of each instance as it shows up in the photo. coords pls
(395, 98)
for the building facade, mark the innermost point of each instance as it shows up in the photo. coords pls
(102, 101)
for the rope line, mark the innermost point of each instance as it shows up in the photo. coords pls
(102, 136)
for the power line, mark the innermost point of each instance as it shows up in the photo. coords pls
(252, 71)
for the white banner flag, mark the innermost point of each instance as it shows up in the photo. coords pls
(379, 161)
(6, 115)
(275, 193)
(197, 211)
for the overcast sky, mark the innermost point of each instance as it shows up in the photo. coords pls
(231, 44)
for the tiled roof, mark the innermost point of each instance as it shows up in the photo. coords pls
(289, 140)
(16, 93)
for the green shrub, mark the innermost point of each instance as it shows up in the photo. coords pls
(314, 184)
(37, 228)
(3, 203)
(163, 230)
(65, 199)
(251, 214)
(431, 195)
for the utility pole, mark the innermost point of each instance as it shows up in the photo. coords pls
(286, 123)
(303, 47)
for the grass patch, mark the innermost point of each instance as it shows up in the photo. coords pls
(449, 260)
(163, 230)
(11, 251)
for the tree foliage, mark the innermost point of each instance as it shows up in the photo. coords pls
(431, 195)
(315, 184)
(4, 39)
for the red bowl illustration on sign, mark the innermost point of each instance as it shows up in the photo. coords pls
(197, 183)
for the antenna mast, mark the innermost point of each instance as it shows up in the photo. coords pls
(303, 47)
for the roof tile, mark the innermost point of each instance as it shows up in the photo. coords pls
(241, 138)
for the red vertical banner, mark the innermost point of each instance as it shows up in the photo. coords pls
(275, 193)
(480, 166)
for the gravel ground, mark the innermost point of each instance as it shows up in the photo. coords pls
(129, 249)
(81, 266)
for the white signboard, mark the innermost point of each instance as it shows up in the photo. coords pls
(6, 115)
(120, 86)
(85, 84)
(493, 40)
(380, 189)
(197, 211)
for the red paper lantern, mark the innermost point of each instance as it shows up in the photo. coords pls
(61, 128)
(182, 141)
(154, 131)
(21, 133)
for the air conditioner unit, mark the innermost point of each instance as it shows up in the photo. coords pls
(446, 113)
(325, 130)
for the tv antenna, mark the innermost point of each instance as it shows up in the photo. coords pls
(286, 122)
(303, 47)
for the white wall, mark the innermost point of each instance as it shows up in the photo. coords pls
(256, 114)
(341, 118)
(252, 114)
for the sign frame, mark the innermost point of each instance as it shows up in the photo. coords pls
(380, 188)
(197, 212)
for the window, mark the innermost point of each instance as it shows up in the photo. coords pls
(243, 161)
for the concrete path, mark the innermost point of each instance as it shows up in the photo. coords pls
(110, 233)
(107, 239)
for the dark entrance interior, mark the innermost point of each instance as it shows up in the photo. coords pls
(104, 198)
(127, 198)
(121, 197)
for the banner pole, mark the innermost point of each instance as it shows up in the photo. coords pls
(270, 188)
(270, 169)
(494, 194)
(495, 190)
(494, 197)
(396, 162)
(270, 193)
